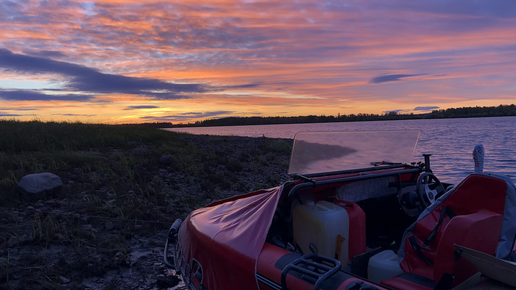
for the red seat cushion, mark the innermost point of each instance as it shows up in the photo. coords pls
(477, 205)
(477, 192)
(479, 231)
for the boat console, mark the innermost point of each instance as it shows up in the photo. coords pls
(350, 218)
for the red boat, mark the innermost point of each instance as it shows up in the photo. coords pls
(351, 218)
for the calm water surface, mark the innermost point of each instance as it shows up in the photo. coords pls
(451, 141)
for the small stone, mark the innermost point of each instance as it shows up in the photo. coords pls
(51, 202)
(85, 192)
(59, 237)
(108, 226)
(13, 241)
(167, 281)
(24, 238)
(36, 186)
(167, 160)
(104, 189)
(131, 192)
(29, 208)
(141, 150)
(64, 280)
(87, 227)
(106, 179)
(163, 172)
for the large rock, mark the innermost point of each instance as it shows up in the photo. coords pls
(167, 160)
(36, 186)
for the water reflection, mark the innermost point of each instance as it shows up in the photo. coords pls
(317, 152)
(450, 140)
(305, 154)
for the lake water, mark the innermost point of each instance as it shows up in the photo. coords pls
(451, 141)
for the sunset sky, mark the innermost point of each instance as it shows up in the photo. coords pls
(120, 61)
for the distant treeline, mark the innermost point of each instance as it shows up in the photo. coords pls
(465, 112)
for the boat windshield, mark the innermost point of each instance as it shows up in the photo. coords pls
(322, 152)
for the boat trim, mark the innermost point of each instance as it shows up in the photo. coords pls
(268, 282)
(348, 179)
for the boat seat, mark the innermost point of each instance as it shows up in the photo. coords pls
(475, 194)
(426, 265)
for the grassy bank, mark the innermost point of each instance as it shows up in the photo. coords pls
(32, 147)
(117, 199)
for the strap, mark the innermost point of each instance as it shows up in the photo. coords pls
(445, 211)
(417, 250)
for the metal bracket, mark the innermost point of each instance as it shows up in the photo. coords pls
(171, 239)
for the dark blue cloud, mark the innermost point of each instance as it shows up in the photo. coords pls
(192, 114)
(45, 53)
(393, 111)
(250, 113)
(428, 108)
(16, 109)
(185, 116)
(245, 86)
(4, 114)
(388, 78)
(84, 79)
(74, 115)
(30, 95)
(141, 107)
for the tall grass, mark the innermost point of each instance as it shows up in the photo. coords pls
(18, 136)
(35, 146)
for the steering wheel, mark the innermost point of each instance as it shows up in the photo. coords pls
(428, 189)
